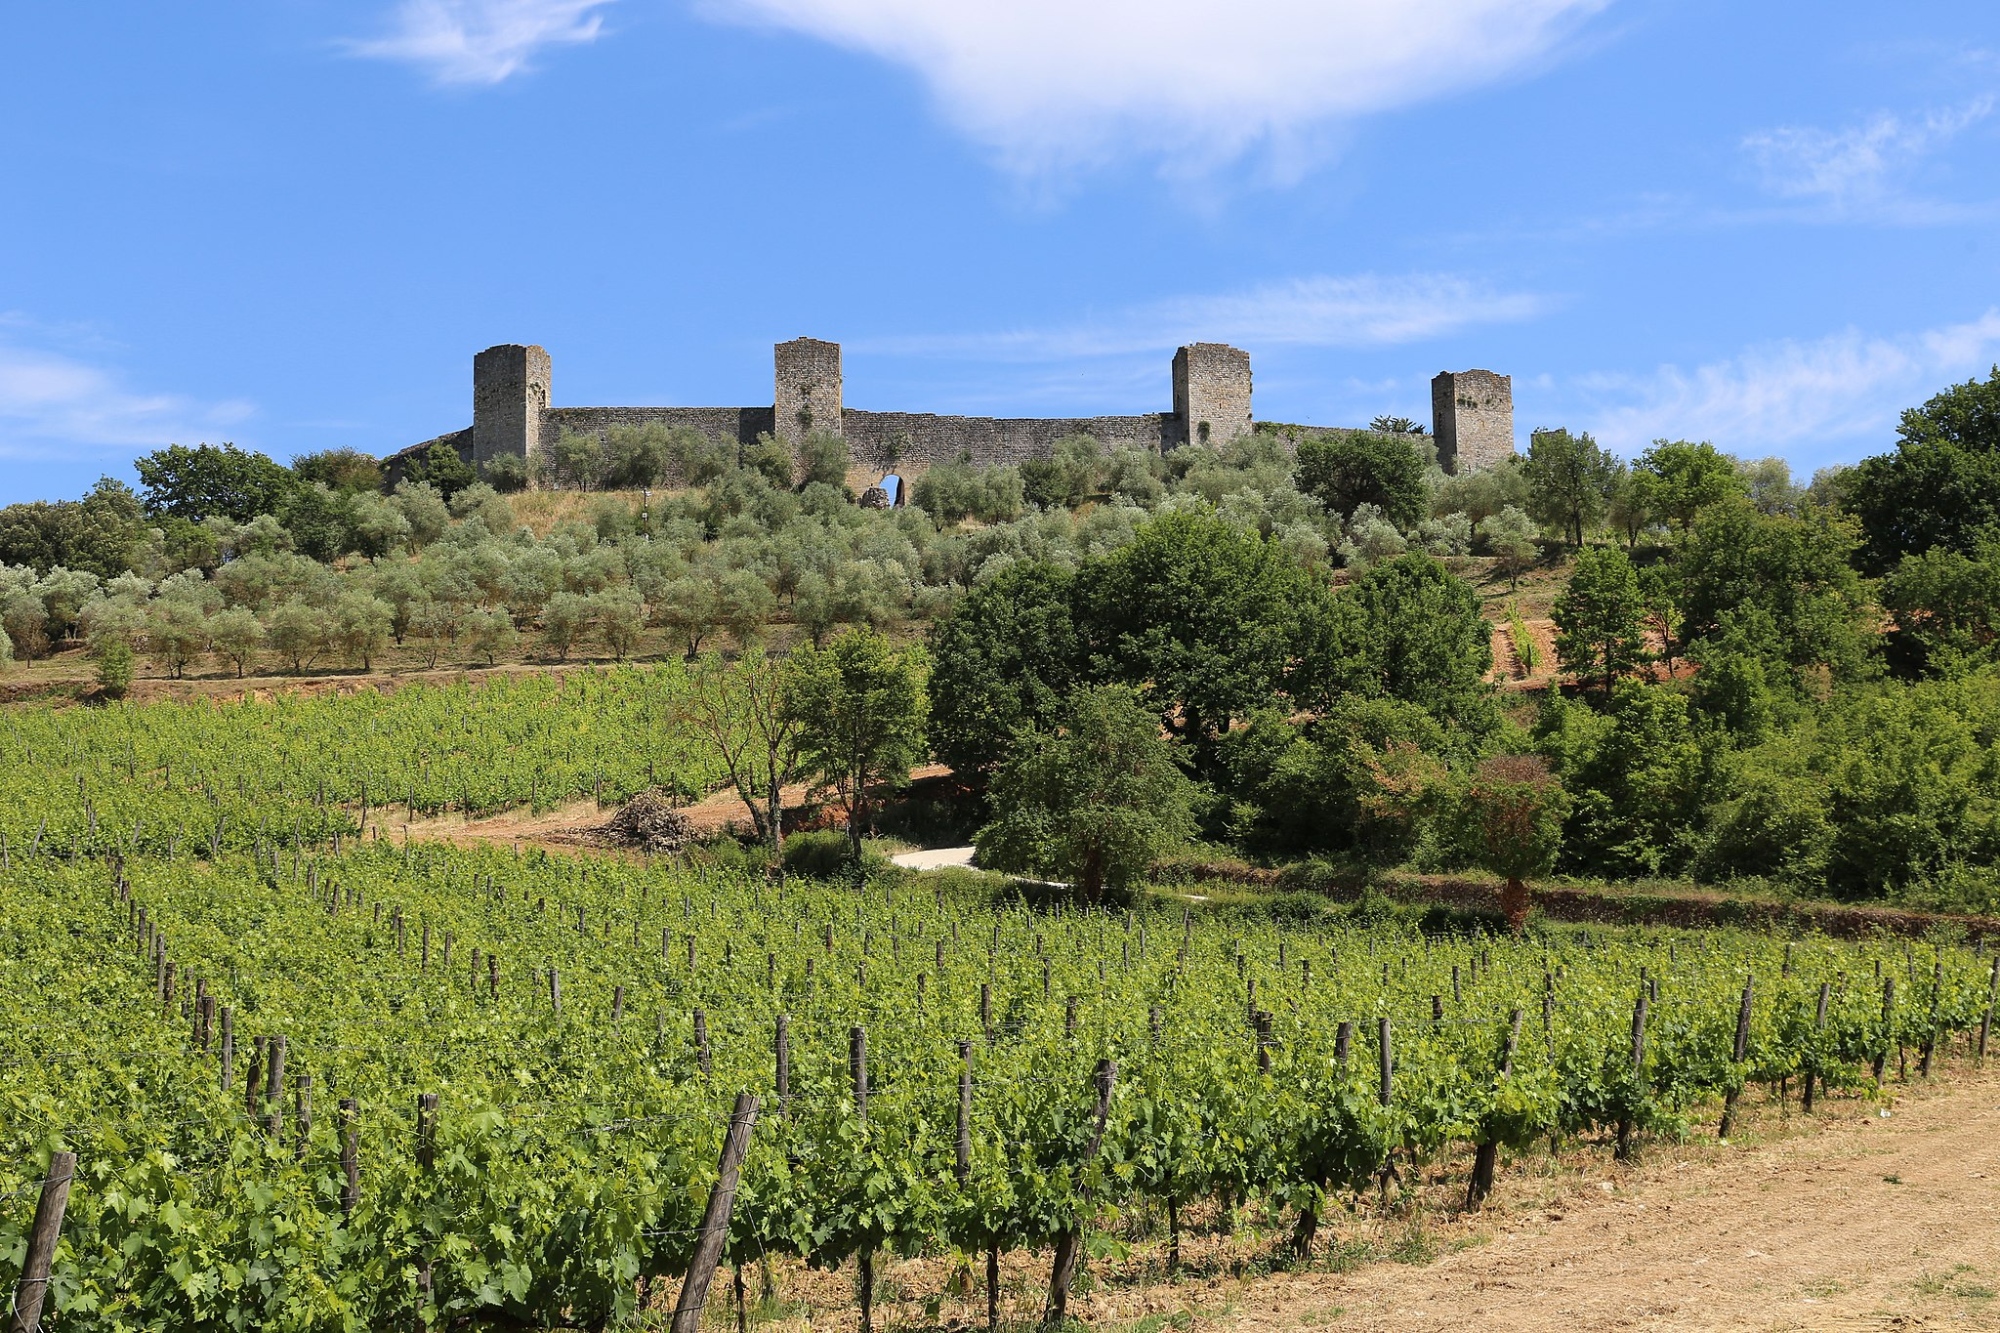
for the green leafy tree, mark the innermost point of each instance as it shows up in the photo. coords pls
(859, 706)
(1511, 814)
(1945, 608)
(740, 712)
(1207, 621)
(104, 533)
(621, 620)
(341, 470)
(360, 627)
(1409, 629)
(1688, 478)
(1094, 803)
(299, 632)
(1003, 659)
(442, 469)
(1599, 617)
(176, 633)
(115, 668)
(237, 634)
(823, 458)
(1569, 478)
(1941, 487)
(1633, 503)
(1796, 570)
(770, 458)
(1637, 778)
(211, 481)
(1348, 470)
(492, 634)
(1510, 536)
(564, 621)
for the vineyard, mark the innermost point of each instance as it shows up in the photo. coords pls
(407, 1085)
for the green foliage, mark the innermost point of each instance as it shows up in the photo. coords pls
(1569, 479)
(211, 481)
(1206, 621)
(950, 492)
(442, 468)
(1941, 488)
(1363, 467)
(339, 470)
(1093, 803)
(859, 708)
(1636, 775)
(820, 854)
(1795, 570)
(1409, 629)
(1685, 479)
(771, 459)
(1598, 617)
(1002, 660)
(1945, 608)
(103, 533)
(114, 668)
(823, 459)
(1510, 814)
(1360, 784)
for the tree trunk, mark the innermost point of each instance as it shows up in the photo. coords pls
(1483, 1162)
(1514, 904)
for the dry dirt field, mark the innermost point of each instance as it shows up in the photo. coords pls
(1862, 1223)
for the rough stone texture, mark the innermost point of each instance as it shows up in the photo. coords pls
(1211, 395)
(913, 441)
(1472, 418)
(510, 392)
(1212, 392)
(807, 395)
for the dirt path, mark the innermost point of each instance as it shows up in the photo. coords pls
(1869, 1223)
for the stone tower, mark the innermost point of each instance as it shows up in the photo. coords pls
(808, 389)
(510, 391)
(1212, 392)
(1472, 417)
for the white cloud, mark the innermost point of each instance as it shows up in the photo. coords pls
(51, 403)
(1057, 82)
(1362, 311)
(482, 41)
(1836, 389)
(1859, 167)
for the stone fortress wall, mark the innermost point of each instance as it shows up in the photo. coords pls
(1473, 415)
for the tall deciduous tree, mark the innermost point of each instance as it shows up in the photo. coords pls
(1688, 478)
(1207, 621)
(1600, 617)
(859, 707)
(1093, 803)
(1409, 629)
(1002, 660)
(211, 481)
(1942, 485)
(739, 710)
(1347, 471)
(1569, 477)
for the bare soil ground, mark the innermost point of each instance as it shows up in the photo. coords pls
(1864, 1223)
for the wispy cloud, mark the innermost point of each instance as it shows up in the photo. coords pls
(481, 41)
(1828, 392)
(52, 403)
(1865, 168)
(1367, 310)
(1054, 83)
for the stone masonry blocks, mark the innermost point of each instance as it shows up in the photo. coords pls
(1212, 392)
(1472, 418)
(510, 392)
(807, 394)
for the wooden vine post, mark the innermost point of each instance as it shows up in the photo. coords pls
(1738, 1054)
(715, 1219)
(1070, 1242)
(34, 1285)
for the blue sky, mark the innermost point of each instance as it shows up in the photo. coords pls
(291, 223)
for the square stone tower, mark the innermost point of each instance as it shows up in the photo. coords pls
(808, 388)
(510, 391)
(1472, 418)
(1212, 392)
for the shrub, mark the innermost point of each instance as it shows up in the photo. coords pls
(820, 854)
